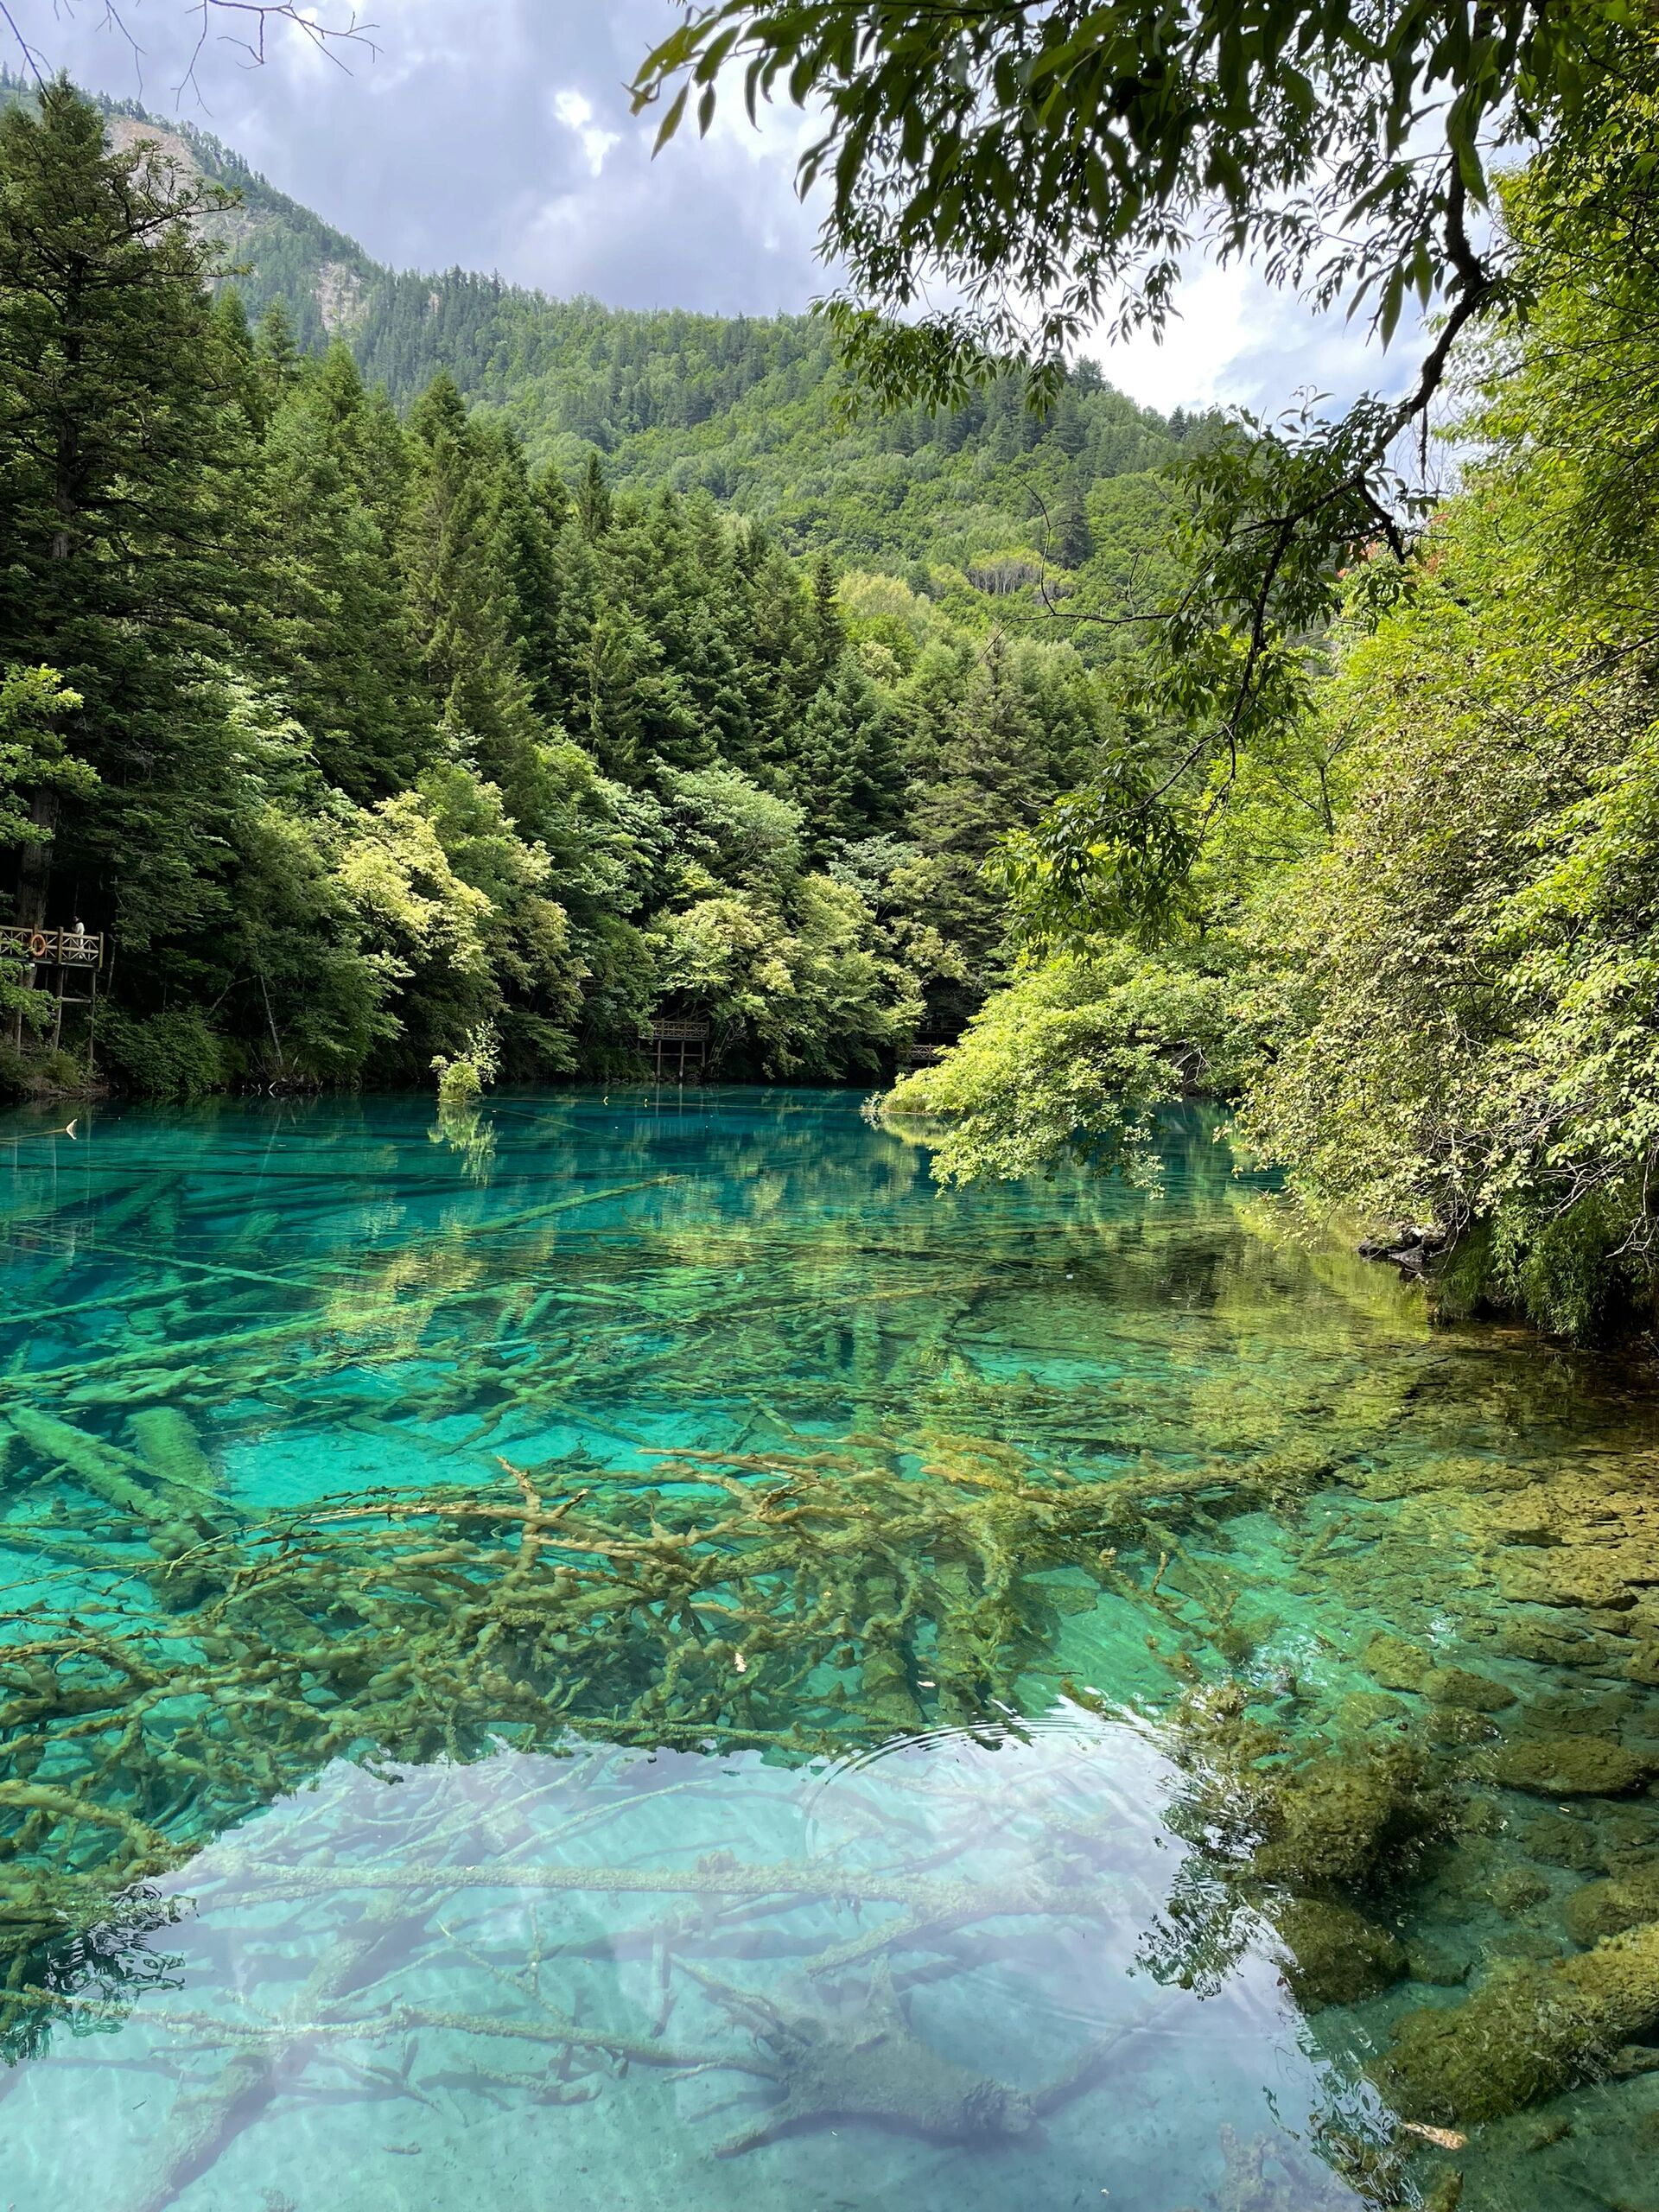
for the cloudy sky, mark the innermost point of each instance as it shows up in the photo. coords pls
(495, 135)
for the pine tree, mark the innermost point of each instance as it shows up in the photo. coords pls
(231, 333)
(369, 438)
(525, 546)
(990, 778)
(277, 354)
(126, 563)
(1077, 540)
(769, 613)
(826, 636)
(466, 615)
(342, 648)
(1069, 426)
(670, 564)
(594, 508)
(552, 496)
(847, 773)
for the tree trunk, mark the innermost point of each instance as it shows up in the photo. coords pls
(34, 865)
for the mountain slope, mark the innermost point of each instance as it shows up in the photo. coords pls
(744, 407)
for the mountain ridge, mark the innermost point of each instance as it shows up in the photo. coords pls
(744, 407)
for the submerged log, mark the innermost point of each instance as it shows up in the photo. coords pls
(113, 1476)
(167, 1443)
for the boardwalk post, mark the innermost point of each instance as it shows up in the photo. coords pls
(687, 1041)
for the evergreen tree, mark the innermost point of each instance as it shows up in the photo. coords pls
(1069, 425)
(989, 779)
(825, 636)
(342, 649)
(1077, 540)
(524, 545)
(669, 563)
(465, 610)
(369, 437)
(125, 557)
(593, 500)
(359, 734)
(769, 611)
(848, 773)
(231, 330)
(275, 348)
(636, 712)
(552, 496)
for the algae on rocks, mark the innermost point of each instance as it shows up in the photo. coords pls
(1531, 2032)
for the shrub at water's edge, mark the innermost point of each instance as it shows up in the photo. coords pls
(1075, 1056)
(1417, 952)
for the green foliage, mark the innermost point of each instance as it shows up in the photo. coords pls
(122, 494)
(417, 745)
(1480, 1046)
(173, 1055)
(1073, 1058)
(32, 758)
(1065, 154)
(1056, 165)
(344, 647)
(1483, 1049)
(749, 410)
(1430, 883)
(464, 1077)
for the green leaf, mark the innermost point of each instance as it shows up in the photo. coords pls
(671, 122)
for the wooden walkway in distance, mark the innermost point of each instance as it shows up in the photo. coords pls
(66, 953)
(678, 1048)
(928, 1045)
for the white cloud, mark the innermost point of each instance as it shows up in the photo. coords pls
(575, 112)
(1186, 364)
(497, 134)
(1238, 341)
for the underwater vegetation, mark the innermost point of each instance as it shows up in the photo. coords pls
(669, 1630)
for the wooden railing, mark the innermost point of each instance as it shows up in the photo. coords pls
(51, 948)
(677, 1047)
(931, 1041)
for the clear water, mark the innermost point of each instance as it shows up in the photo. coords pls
(632, 1652)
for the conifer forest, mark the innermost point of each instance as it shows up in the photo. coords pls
(830, 1171)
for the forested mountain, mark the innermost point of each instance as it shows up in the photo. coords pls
(366, 741)
(740, 407)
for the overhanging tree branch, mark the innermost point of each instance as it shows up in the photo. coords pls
(1055, 165)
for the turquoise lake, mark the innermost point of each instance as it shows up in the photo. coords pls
(632, 1651)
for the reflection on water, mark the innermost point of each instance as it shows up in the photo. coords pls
(632, 1652)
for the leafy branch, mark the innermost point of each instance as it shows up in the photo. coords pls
(1054, 167)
